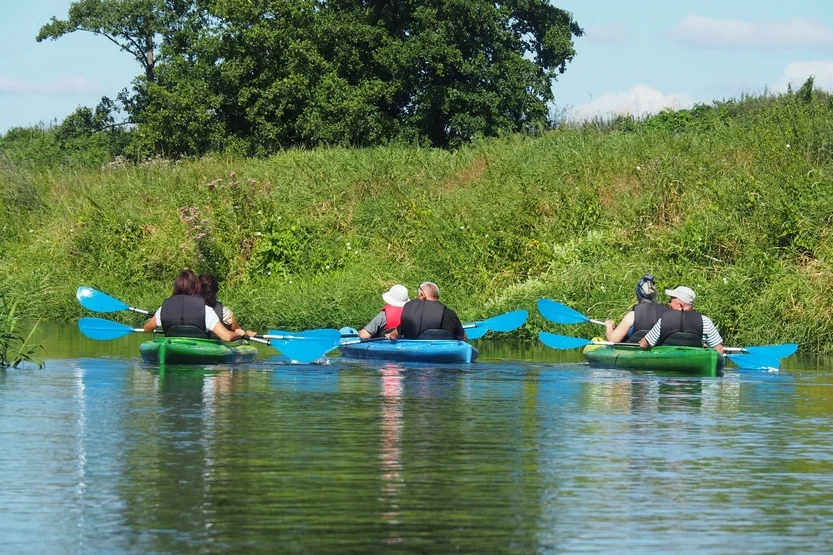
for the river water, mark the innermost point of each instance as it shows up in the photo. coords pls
(528, 450)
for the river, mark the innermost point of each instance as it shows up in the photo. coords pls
(529, 450)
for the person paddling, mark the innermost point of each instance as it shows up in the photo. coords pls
(642, 317)
(427, 318)
(681, 325)
(209, 287)
(185, 314)
(391, 314)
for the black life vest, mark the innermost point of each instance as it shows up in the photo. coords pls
(218, 310)
(423, 319)
(681, 328)
(645, 315)
(184, 316)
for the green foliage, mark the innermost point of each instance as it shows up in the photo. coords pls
(257, 77)
(14, 348)
(715, 200)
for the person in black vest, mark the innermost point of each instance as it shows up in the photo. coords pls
(209, 287)
(642, 317)
(185, 314)
(427, 318)
(682, 325)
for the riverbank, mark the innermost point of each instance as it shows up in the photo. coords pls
(733, 200)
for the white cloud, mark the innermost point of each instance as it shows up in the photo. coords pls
(711, 32)
(62, 86)
(796, 74)
(607, 33)
(639, 101)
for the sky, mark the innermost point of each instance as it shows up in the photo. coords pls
(636, 57)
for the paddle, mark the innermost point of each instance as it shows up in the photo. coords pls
(474, 330)
(561, 314)
(303, 346)
(556, 341)
(501, 323)
(104, 330)
(102, 302)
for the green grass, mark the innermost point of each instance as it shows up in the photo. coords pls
(733, 200)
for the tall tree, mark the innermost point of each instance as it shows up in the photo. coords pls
(132, 25)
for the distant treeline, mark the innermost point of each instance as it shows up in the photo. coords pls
(733, 199)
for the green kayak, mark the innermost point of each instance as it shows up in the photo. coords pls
(688, 360)
(189, 350)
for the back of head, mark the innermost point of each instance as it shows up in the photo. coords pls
(187, 283)
(430, 290)
(646, 290)
(209, 288)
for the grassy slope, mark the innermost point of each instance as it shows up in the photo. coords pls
(714, 199)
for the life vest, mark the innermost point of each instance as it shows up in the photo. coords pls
(218, 310)
(681, 328)
(423, 319)
(393, 317)
(183, 316)
(645, 315)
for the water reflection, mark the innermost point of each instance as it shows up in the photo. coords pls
(109, 455)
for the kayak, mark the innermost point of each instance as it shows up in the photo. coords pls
(410, 350)
(190, 350)
(690, 360)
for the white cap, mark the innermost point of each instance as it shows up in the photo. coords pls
(397, 296)
(685, 294)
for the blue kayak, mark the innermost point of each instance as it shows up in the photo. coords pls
(409, 350)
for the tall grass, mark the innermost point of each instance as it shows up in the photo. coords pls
(733, 200)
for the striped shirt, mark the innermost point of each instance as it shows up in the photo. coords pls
(711, 337)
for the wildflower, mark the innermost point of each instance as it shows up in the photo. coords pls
(355, 252)
(327, 267)
(258, 233)
(788, 145)
(638, 168)
(269, 273)
(462, 227)
(726, 281)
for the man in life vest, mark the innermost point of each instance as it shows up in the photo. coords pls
(681, 325)
(391, 314)
(642, 317)
(427, 318)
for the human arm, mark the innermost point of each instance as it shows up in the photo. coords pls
(620, 332)
(393, 335)
(711, 336)
(155, 321)
(223, 333)
(375, 326)
(652, 336)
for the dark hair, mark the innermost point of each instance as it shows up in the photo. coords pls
(209, 288)
(186, 283)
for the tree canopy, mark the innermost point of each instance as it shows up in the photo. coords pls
(255, 76)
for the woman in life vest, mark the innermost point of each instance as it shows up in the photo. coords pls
(642, 317)
(185, 314)
(209, 287)
(389, 317)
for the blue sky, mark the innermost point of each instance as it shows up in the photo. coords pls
(636, 57)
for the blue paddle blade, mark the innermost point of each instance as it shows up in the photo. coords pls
(505, 322)
(98, 301)
(476, 333)
(559, 313)
(103, 330)
(556, 341)
(754, 362)
(773, 351)
(306, 346)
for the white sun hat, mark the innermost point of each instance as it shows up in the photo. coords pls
(397, 296)
(685, 294)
